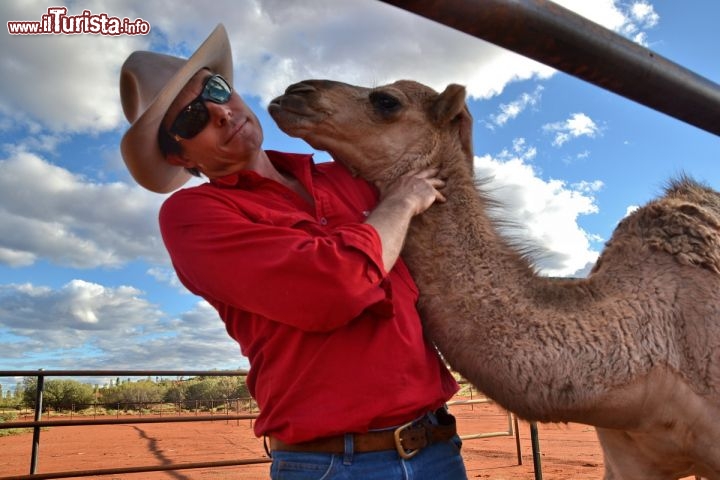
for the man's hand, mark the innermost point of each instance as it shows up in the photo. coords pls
(409, 195)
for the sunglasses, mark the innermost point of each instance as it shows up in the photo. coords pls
(194, 118)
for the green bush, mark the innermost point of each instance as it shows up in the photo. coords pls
(134, 395)
(58, 394)
(7, 416)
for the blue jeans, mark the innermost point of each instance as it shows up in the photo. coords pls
(438, 461)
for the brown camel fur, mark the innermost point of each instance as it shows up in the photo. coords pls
(634, 349)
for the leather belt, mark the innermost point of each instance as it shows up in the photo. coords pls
(407, 440)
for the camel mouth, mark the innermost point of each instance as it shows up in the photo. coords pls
(291, 105)
(292, 114)
(294, 101)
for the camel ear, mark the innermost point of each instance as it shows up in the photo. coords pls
(448, 104)
(450, 107)
(464, 123)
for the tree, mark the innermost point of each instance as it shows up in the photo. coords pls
(66, 394)
(204, 389)
(232, 387)
(135, 394)
(57, 394)
(176, 393)
(27, 391)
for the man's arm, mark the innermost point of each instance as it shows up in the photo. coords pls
(400, 201)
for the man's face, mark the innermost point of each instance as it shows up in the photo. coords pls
(230, 140)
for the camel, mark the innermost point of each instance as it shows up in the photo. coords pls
(633, 349)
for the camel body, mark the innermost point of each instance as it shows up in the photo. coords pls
(633, 350)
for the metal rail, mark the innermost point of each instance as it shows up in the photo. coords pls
(562, 39)
(147, 469)
(122, 373)
(513, 430)
(37, 424)
(125, 421)
(503, 433)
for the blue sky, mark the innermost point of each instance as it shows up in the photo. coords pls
(84, 280)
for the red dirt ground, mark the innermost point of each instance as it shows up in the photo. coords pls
(568, 451)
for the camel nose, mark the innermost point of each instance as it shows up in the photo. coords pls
(311, 86)
(300, 88)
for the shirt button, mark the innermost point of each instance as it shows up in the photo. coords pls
(323, 221)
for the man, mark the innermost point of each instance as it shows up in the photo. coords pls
(302, 263)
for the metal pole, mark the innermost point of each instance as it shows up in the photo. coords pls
(534, 439)
(36, 430)
(562, 39)
(517, 439)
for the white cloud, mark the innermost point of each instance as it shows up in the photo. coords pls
(83, 322)
(641, 17)
(645, 14)
(577, 125)
(66, 82)
(79, 306)
(544, 212)
(588, 187)
(604, 12)
(519, 150)
(630, 209)
(509, 111)
(629, 19)
(583, 155)
(16, 258)
(69, 83)
(49, 212)
(584, 271)
(167, 276)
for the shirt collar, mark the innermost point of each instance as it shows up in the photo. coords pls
(296, 163)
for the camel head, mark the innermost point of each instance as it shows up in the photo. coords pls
(378, 133)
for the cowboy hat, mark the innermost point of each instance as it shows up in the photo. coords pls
(149, 82)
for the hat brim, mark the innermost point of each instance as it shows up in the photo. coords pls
(139, 145)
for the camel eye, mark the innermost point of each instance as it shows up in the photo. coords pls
(384, 103)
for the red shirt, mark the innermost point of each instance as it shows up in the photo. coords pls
(334, 342)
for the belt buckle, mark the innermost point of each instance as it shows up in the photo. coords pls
(404, 454)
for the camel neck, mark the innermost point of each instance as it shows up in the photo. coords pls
(481, 300)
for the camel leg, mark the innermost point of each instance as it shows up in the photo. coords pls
(624, 460)
(647, 457)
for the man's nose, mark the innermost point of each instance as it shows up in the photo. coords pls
(220, 114)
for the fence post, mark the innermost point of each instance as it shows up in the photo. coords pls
(517, 438)
(38, 416)
(534, 439)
